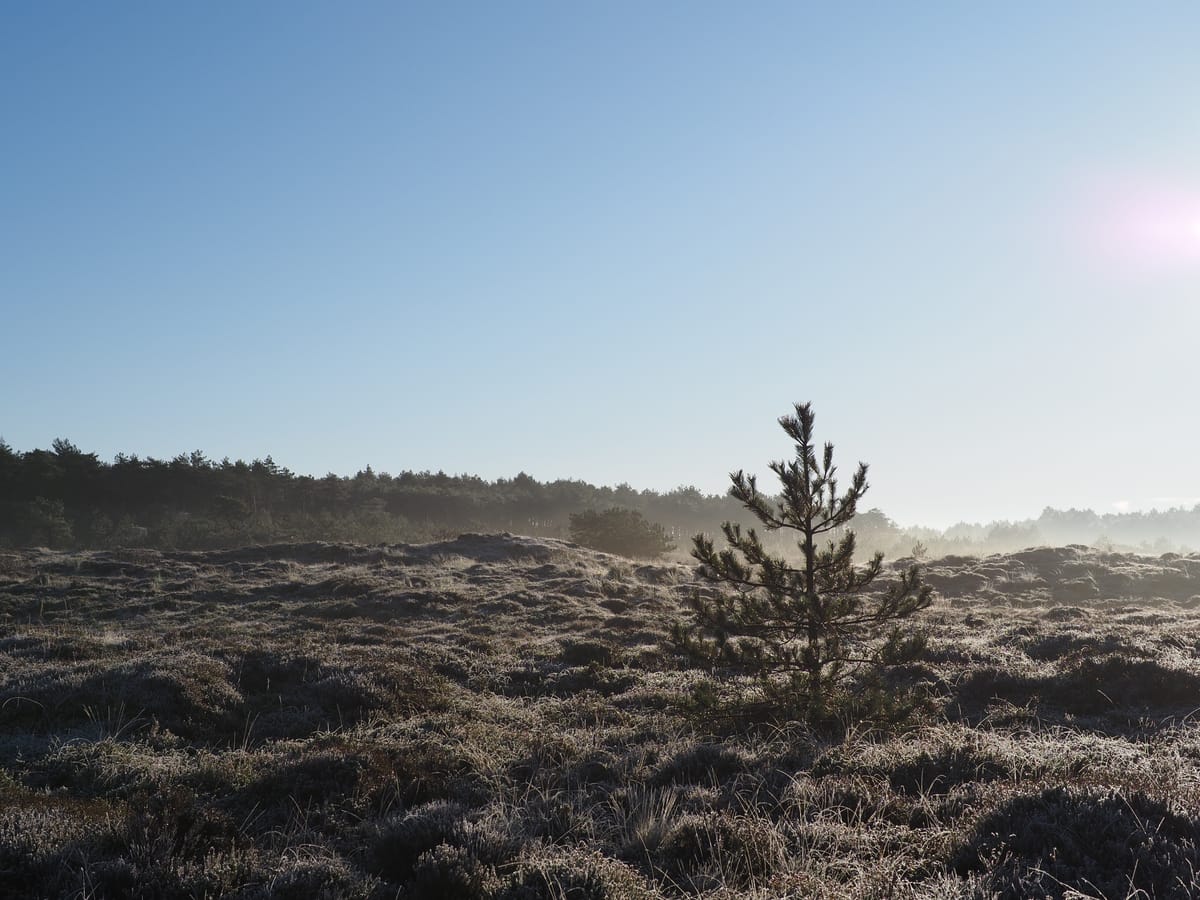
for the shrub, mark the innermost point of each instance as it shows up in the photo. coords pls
(1064, 840)
(450, 873)
(575, 874)
(738, 850)
(401, 842)
(622, 531)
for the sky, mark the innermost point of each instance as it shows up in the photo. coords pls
(613, 241)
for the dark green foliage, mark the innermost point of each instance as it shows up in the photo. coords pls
(622, 531)
(46, 523)
(804, 633)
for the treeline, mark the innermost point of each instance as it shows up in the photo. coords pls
(66, 498)
(1154, 532)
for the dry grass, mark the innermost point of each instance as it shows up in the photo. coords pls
(495, 717)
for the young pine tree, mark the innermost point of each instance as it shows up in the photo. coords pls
(810, 632)
(622, 531)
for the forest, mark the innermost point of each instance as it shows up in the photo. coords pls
(67, 498)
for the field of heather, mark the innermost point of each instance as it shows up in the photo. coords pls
(498, 717)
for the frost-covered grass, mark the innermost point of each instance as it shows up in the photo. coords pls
(496, 717)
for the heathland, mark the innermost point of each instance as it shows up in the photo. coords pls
(500, 717)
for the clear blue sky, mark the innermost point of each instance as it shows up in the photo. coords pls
(613, 241)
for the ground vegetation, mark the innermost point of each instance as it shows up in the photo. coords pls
(495, 717)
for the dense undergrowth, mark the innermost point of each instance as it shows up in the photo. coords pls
(496, 717)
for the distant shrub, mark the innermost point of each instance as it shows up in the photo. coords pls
(45, 522)
(622, 531)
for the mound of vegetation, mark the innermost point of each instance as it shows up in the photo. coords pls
(1092, 842)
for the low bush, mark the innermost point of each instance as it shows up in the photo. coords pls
(622, 531)
(399, 842)
(941, 771)
(702, 763)
(1091, 842)
(450, 873)
(712, 849)
(574, 874)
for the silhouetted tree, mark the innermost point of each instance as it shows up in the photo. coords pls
(47, 524)
(804, 631)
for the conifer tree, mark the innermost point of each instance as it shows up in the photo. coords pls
(622, 531)
(806, 632)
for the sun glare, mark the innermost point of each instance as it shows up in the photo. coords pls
(1147, 228)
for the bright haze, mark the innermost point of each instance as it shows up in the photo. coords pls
(613, 241)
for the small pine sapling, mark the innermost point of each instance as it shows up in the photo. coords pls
(818, 637)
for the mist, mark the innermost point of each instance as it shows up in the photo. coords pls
(65, 497)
